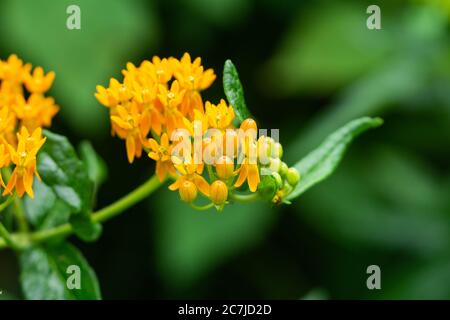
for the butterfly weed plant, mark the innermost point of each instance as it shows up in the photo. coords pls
(212, 153)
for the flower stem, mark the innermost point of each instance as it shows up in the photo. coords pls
(6, 203)
(127, 201)
(7, 237)
(244, 197)
(102, 215)
(202, 208)
(20, 215)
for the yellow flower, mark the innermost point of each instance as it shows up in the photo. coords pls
(37, 111)
(4, 161)
(159, 70)
(171, 99)
(7, 121)
(191, 172)
(193, 78)
(219, 116)
(133, 127)
(105, 97)
(249, 169)
(191, 75)
(250, 172)
(200, 119)
(38, 82)
(24, 158)
(161, 153)
(114, 94)
(13, 69)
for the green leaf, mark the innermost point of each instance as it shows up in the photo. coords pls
(222, 13)
(234, 91)
(325, 49)
(96, 166)
(85, 228)
(81, 58)
(321, 162)
(60, 169)
(65, 184)
(316, 294)
(191, 243)
(44, 274)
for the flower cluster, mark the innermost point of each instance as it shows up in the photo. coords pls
(158, 109)
(24, 110)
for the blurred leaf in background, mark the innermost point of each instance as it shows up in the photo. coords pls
(224, 13)
(190, 244)
(112, 33)
(327, 46)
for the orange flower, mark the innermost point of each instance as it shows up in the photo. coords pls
(171, 99)
(191, 172)
(159, 70)
(191, 75)
(24, 158)
(13, 69)
(38, 82)
(220, 116)
(193, 78)
(249, 169)
(250, 172)
(133, 127)
(161, 153)
(7, 120)
(37, 111)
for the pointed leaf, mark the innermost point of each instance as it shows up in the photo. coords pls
(44, 274)
(234, 91)
(321, 162)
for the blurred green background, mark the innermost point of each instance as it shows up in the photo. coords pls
(307, 67)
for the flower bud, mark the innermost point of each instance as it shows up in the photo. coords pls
(278, 179)
(277, 150)
(293, 176)
(249, 124)
(218, 192)
(188, 191)
(224, 167)
(283, 169)
(230, 143)
(264, 146)
(275, 164)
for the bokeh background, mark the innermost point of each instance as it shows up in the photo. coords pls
(307, 68)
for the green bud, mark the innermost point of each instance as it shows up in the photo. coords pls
(277, 150)
(278, 179)
(267, 187)
(293, 176)
(283, 169)
(275, 164)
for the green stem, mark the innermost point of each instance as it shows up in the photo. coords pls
(127, 201)
(20, 216)
(102, 215)
(244, 197)
(8, 240)
(5, 204)
(202, 208)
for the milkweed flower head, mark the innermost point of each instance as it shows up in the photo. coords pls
(24, 111)
(158, 109)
